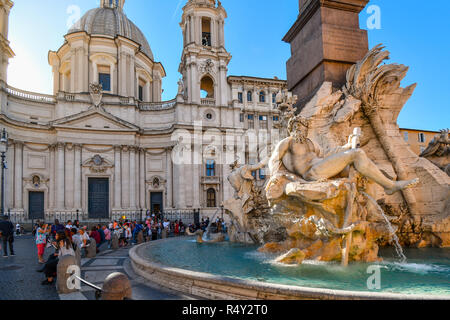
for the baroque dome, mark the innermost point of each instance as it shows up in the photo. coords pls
(111, 22)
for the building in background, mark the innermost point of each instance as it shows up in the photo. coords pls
(418, 140)
(90, 155)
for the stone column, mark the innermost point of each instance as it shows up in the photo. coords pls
(221, 34)
(198, 21)
(142, 172)
(69, 176)
(195, 85)
(125, 177)
(187, 33)
(60, 176)
(56, 87)
(169, 177)
(9, 180)
(132, 179)
(77, 176)
(18, 176)
(117, 178)
(192, 29)
(73, 70)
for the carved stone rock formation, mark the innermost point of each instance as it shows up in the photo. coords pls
(438, 151)
(333, 220)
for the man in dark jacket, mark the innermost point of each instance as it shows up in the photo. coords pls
(7, 235)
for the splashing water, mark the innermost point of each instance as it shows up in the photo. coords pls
(398, 247)
(206, 236)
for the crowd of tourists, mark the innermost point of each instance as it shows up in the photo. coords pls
(65, 239)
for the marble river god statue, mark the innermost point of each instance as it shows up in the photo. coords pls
(330, 198)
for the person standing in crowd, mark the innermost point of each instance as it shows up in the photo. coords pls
(76, 224)
(69, 225)
(102, 234)
(107, 234)
(7, 235)
(41, 241)
(57, 227)
(96, 236)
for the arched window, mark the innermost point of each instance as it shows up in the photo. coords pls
(249, 96)
(211, 198)
(210, 168)
(207, 88)
(206, 32)
(262, 97)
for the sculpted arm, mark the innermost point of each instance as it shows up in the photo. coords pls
(277, 156)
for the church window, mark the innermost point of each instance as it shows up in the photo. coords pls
(210, 168)
(206, 32)
(207, 88)
(251, 121)
(105, 80)
(262, 97)
(263, 122)
(211, 198)
(422, 137)
(104, 77)
(240, 97)
(141, 93)
(262, 174)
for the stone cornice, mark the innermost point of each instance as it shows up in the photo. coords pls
(311, 6)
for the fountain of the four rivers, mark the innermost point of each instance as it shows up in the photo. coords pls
(349, 211)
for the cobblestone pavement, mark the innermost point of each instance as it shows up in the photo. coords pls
(96, 270)
(18, 277)
(20, 281)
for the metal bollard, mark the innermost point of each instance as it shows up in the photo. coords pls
(117, 286)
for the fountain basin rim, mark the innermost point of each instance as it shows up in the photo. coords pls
(209, 286)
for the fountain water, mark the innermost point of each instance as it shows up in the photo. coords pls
(398, 247)
(206, 236)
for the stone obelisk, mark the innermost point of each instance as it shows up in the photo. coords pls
(325, 41)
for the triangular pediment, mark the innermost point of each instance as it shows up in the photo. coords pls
(94, 119)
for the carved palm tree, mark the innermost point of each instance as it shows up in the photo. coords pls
(372, 83)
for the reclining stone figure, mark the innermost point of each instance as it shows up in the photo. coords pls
(300, 159)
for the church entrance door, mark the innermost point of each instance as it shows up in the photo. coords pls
(36, 205)
(98, 198)
(156, 201)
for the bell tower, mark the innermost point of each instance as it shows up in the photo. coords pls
(204, 62)
(6, 52)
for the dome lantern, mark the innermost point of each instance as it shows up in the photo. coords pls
(112, 4)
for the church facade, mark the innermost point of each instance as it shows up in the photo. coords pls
(104, 145)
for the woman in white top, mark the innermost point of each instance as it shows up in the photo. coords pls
(64, 247)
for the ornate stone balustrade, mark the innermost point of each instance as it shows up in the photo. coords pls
(22, 94)
(155, 106)
(208, 102)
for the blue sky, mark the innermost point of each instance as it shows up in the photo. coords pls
(417, 35)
